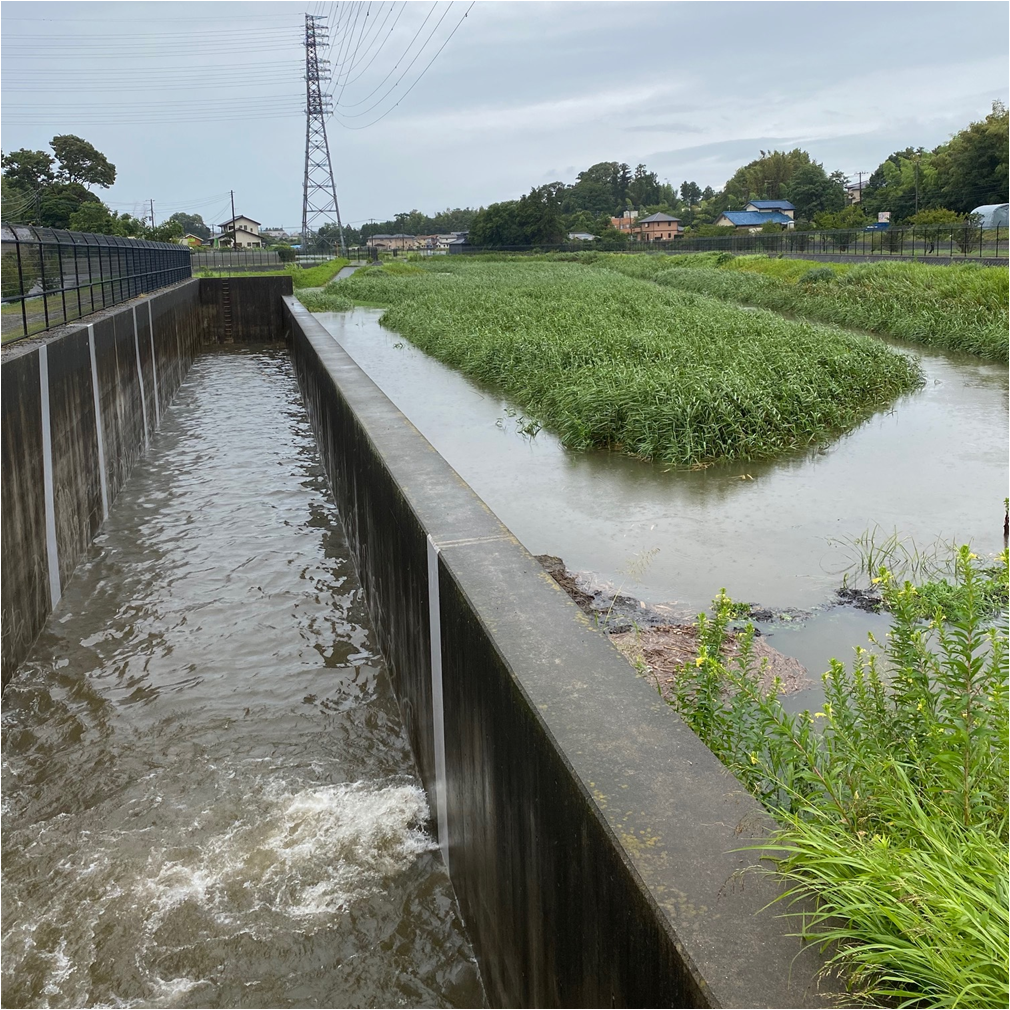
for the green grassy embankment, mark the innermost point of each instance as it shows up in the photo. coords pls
(962, 307)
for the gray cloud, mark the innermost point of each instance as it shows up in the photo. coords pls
(519, 88)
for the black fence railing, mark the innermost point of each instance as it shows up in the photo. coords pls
(51, 277)
(931, 243)
(236, 260)
(225, 261)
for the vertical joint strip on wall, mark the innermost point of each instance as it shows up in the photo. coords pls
(55, 590)
(437, 711)
(154, 366)
(98, 422)
(140, 379)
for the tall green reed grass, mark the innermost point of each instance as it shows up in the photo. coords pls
(962, 307)
(609, 361)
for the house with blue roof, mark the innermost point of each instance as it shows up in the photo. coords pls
(758, 213)
(782, 206)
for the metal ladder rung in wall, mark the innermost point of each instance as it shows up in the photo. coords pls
(226, 309)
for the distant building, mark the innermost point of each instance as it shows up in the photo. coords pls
(758, 213)
(391, 243)
(764, 206)
(854, 190)
(581, 236)
(193, 241)
(657, 228)
(992, 215)
(240, 233)
(625, 222)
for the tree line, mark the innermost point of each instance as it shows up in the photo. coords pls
(916, 185)
(53, 191)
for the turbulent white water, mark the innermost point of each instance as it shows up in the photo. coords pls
(208, 797)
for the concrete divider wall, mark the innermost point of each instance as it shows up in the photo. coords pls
(61, 468)
(592, 840)
(244, 309)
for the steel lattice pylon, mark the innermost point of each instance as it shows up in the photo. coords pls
(319, 191)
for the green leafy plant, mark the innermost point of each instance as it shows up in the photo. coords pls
(892, 799)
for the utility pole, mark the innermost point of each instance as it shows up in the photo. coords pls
(152, 212)
(234, 236)
(319, 191)
(859, 192)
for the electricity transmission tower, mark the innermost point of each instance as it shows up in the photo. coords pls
(319, 191)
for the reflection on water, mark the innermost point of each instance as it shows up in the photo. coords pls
(934, 464)
(208, 797)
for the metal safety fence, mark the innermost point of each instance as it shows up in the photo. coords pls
(50, 277)
(236, 260)
(933, 243)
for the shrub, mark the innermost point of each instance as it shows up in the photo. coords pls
(892, 797)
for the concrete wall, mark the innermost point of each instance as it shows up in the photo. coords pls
(590, 836)
(78, 408)
(244, 310)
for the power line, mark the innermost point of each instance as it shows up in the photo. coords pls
(399, 61)
(385, 39)
(423, 72)
(350, 62)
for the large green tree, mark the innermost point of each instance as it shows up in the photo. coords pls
(905, 183)
(191, 224)
(81, 162)
(59, 202)
(766, 177)
(534, 219)
(32, 170)
(972, 167)
(812, 191)
(52, 189)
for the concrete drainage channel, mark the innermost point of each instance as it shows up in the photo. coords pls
(596, 848)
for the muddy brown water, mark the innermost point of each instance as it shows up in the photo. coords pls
(208, 797)
(773, 533)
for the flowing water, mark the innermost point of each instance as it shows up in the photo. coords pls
(208, 798)
(772, 533)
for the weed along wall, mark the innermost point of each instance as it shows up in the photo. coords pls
(78, 408)
(592, 840)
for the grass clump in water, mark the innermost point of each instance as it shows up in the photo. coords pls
(317, 276)
(887, 563)
(610, 361)
(962, 307)
(892, 799)
(324, 301)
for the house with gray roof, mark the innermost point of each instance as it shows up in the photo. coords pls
(656, 228)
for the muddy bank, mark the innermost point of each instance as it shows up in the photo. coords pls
(659, 640)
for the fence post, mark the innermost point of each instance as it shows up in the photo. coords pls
(42, 277)
(21, 285)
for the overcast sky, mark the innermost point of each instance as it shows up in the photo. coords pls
(191, 100)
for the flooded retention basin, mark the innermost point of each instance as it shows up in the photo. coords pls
(213, 795)
(771, 532)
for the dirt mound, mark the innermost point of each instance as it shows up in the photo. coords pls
(651, 642)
